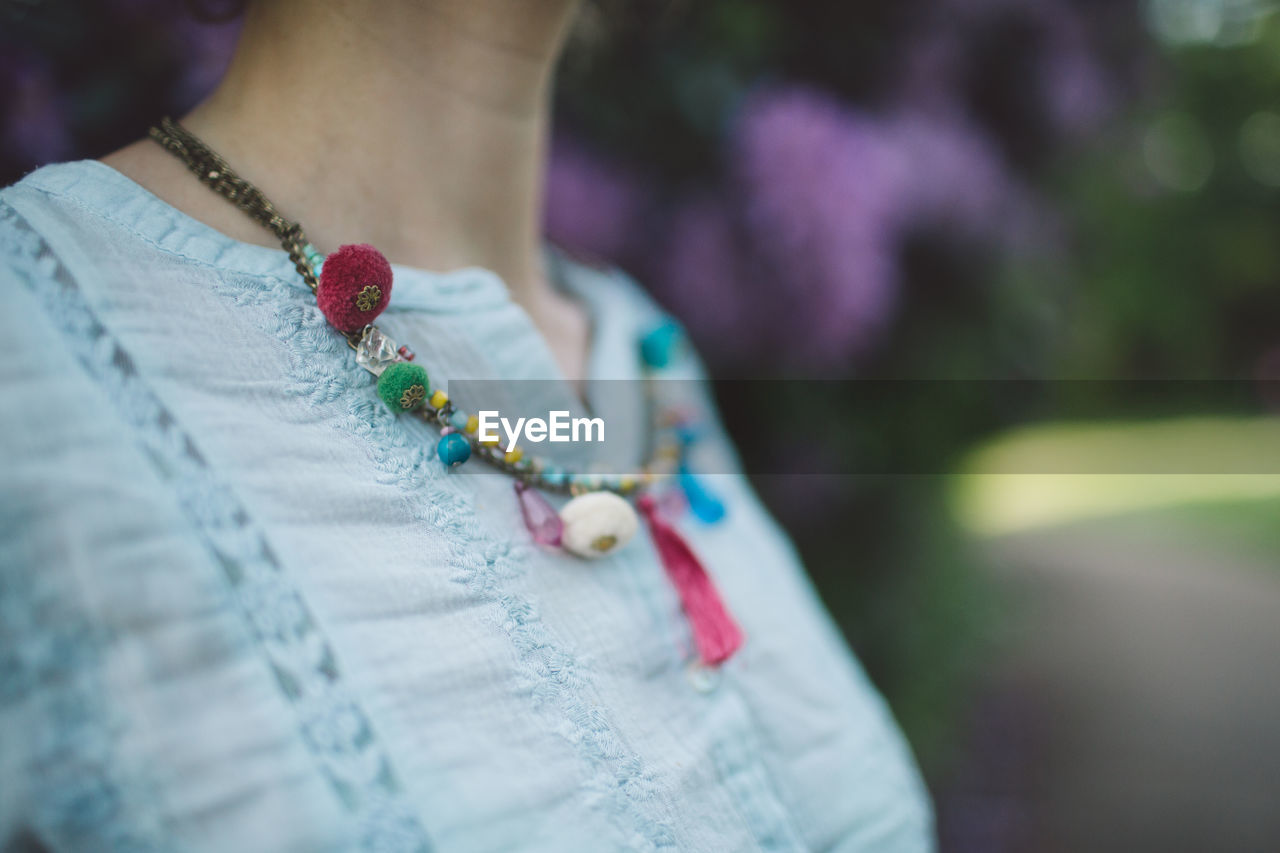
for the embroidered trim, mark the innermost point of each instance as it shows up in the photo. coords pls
(322, 370)
(79, 797)
(331, 722)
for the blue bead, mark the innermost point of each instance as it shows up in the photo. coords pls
(659, 345)
(553, 475)
(458, 420)
(453, 449)
(705, 506)
(689, 433)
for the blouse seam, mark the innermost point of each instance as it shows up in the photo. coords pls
(151, 241)
(149, 203)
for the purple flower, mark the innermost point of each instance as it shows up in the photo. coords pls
(36, 130)
(932, 64)
(702, 276)
(592, 205)
(960, 181)
(208, 48)
(1072, 85)
(800, 255)
(1076, 90)
(825, 190)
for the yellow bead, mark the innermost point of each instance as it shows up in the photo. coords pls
(438, 399)
(473, 424)
(626, 484)
(514, 455)
(489, 442)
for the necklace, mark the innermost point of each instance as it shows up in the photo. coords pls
(352, 286)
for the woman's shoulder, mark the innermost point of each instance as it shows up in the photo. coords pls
(596, 279)
(33, 212)
(51, 209)
(60, 186)
(54, 242)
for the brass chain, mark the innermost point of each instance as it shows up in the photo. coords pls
(215, 173)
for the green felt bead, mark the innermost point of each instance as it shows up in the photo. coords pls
(403, 386)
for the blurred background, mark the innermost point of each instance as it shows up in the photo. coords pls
(1050, 204)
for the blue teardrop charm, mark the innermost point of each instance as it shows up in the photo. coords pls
(704, 505)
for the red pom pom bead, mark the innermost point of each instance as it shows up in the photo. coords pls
(355, 285)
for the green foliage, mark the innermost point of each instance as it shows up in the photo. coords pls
(1178, 281)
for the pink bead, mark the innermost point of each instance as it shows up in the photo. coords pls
(539, 516)
(672, 503)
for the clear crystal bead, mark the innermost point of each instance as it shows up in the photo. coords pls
(376, 351)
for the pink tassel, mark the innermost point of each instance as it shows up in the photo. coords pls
(714, 631)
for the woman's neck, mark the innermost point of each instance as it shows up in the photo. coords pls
(419, 127)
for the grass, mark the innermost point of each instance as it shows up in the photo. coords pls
(1216, 479)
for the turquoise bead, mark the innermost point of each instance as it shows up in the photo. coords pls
(458, 420)
(659, 345)
(313, 257)
(704, 505)
(453, 449)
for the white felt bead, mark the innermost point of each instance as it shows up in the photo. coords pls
(597, 523)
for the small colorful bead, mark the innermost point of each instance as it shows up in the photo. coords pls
(458, 420)
(514, 455)
(543, 522)
(403, 386)
(453, 449)
(659, 345)
(473, 425)
(438, 399)
(313, 257)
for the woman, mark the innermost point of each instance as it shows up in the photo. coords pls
(245, 607)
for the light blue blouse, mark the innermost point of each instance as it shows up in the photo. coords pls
(243, 607)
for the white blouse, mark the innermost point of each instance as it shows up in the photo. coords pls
(244, 607)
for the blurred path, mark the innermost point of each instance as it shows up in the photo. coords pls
(1154, 665)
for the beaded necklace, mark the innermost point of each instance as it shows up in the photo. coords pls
(352, 286)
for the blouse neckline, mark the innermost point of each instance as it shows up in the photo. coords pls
(117, 198)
